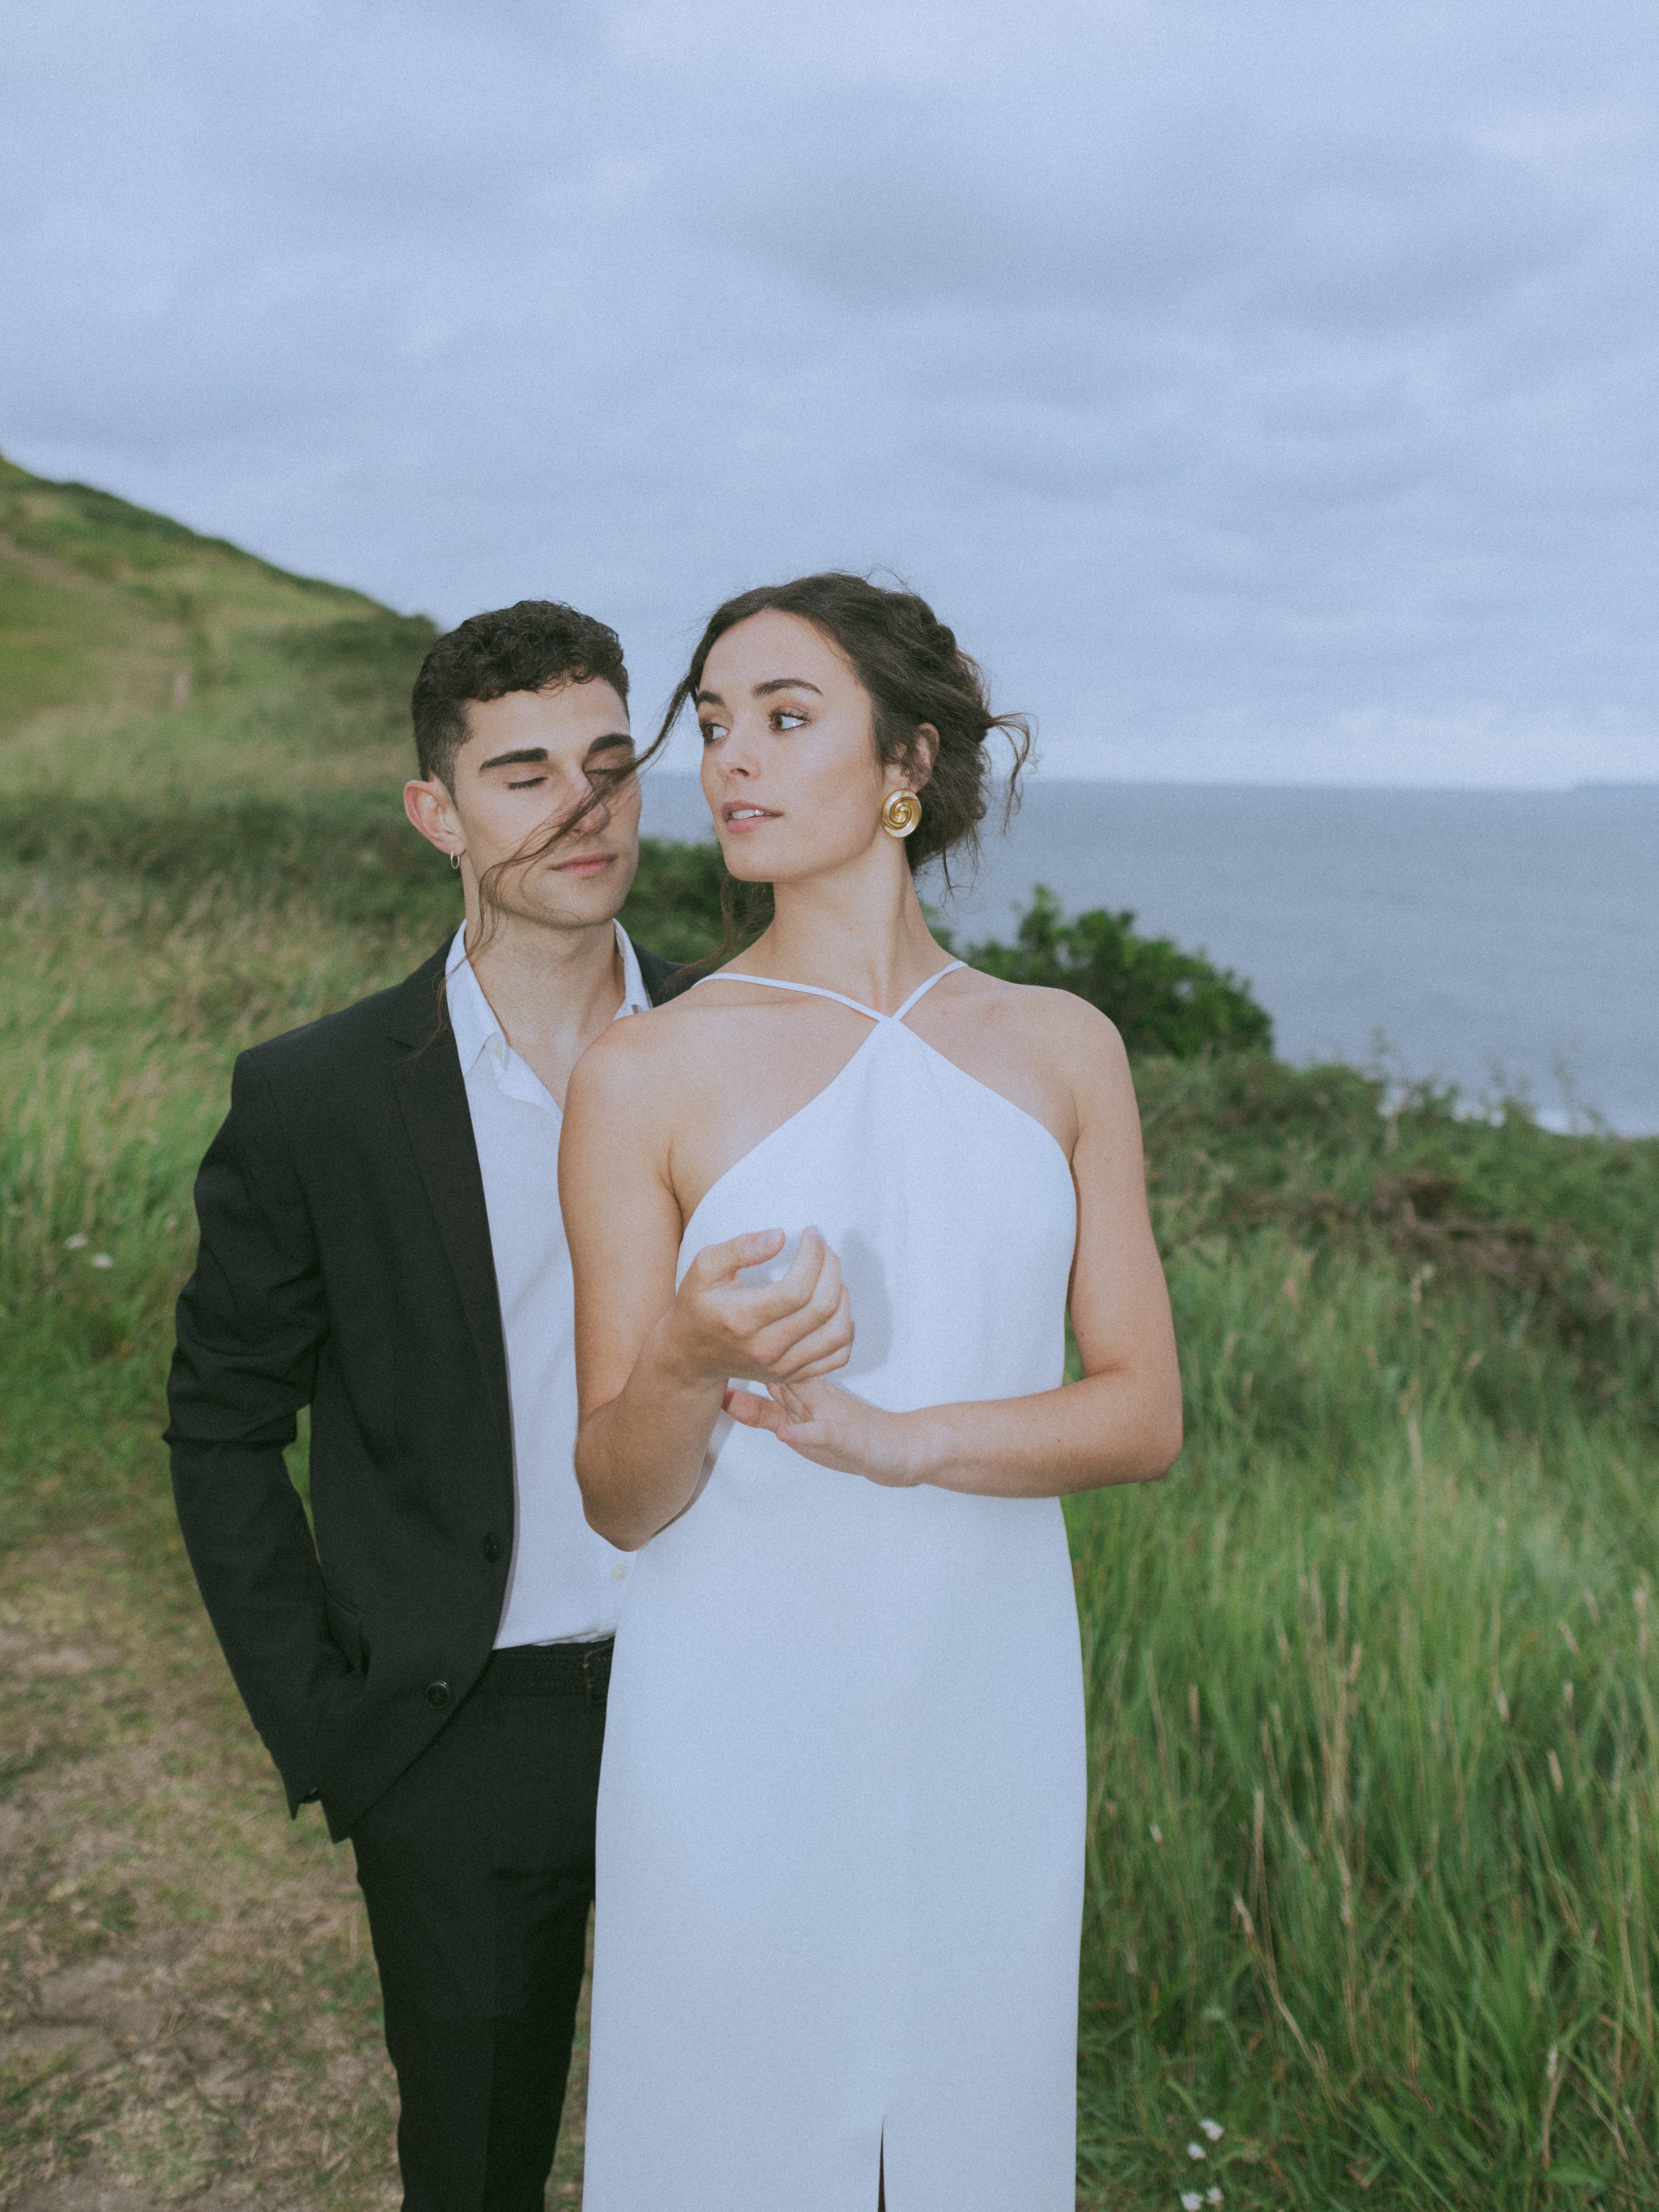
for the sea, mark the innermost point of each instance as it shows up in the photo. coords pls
(1505, 943)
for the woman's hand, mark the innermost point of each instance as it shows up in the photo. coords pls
(831, 1427)
(786, 1332)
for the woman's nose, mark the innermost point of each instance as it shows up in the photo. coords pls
(737, 754)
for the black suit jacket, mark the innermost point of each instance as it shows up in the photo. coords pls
(345, 1264)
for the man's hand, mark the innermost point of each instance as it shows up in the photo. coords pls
(786, 1332)
(831, 1427)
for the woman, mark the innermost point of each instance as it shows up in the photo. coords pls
(841, 1814)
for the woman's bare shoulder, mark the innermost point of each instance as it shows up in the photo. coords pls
(652, 1052)
(1062, 1028)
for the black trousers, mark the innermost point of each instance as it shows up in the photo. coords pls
(477, 1870)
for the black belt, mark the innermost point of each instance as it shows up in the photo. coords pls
(551, 1670)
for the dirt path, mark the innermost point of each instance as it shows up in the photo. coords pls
(188, 2006)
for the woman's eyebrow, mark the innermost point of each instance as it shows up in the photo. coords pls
(762, 690)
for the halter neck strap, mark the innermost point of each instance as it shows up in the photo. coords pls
(817, 991)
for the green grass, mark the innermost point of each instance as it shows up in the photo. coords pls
(1375, 1781)
(1371, 1719)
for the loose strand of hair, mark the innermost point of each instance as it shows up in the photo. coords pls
(603, 784)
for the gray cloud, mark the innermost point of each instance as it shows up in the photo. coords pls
(1262, 389)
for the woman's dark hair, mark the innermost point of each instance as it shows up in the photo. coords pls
(914, 671)
(531, 646)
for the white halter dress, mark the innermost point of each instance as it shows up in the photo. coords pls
(840, 1828)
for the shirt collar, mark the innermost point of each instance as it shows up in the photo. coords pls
(637, 999)
(472, 1017)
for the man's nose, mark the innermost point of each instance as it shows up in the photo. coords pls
(596, 814)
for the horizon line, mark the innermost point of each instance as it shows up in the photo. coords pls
(661, 770)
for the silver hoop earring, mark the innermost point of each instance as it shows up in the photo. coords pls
(455, 861)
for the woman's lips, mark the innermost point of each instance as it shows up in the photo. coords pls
(739, 820)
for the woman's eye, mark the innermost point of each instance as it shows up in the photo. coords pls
(786, 719)
(712, 732)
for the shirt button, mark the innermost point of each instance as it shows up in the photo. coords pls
(619, 1574)
(437, 1693)
(492, 1550)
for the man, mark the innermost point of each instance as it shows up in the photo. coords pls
(380, 1240)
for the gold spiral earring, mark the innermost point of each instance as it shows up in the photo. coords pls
(901, 813)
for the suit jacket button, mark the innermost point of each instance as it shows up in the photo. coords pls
(437, 1693)
(492, 1550)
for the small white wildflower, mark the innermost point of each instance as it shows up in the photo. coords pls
(74, 1243)
(1158, 1833)
(1191, 2201)
(102, 1259)
(1195, 2150)
(1213, 2197)
(1214, 2129)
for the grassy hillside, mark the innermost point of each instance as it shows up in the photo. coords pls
(141, 662)
(105, 608)
(1373, 1882)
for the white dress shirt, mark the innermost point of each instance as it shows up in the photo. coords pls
(565, 1583)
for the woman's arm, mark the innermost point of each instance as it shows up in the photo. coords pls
(1121, 1423)
(652, 1365)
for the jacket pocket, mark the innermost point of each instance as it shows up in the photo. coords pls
(348, 1631)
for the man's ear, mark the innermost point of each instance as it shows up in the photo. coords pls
(432, 811)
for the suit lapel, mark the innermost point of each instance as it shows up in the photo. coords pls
(663, 978)
(432, 1097)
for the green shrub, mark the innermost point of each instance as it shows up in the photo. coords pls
(1162, 999)
(674, 907)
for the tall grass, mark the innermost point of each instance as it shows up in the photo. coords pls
(1373, 1878)
(123, 1006)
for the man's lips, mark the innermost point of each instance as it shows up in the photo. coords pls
(585, 864)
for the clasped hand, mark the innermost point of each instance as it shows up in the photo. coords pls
(791, 1336)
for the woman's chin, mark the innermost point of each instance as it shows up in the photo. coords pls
(768, 857)
(744, 867)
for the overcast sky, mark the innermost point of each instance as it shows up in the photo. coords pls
(1264, 391)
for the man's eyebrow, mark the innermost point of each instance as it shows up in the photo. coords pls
(526, 755)
(513, 760)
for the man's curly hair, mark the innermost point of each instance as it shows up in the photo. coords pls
(532, 646)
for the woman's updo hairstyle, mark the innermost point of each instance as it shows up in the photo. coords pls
(914, 671)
